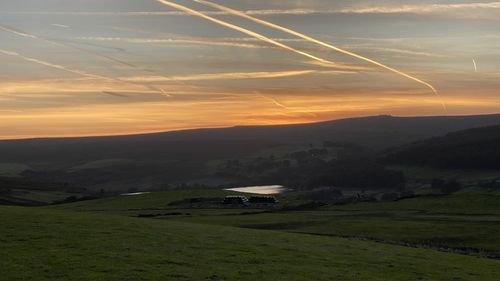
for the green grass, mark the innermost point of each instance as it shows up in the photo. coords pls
(104, 240)
(462, 220)
(45, 244)
(40, 196)
(157, 200)
(469, 220)
(472, 203)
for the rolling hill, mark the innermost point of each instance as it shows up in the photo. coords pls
(477, 148)
(139, 161)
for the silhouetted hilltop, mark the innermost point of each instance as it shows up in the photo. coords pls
(377, 132)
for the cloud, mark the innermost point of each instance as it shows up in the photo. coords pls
(248, 32)
(269, 12)
(194, 41)
(52, 65)
(322, 43)
(421, 9)
(416, 9)
(221, 76)
(60, 25)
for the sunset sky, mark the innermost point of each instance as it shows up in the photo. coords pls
(107, 67)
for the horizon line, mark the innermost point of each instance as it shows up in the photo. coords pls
(117, 135)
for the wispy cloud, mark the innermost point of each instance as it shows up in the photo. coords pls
(321, 43)
(418, 9)
(194, 41)
(57, 43)
(421, 9)
(248, 32)
(222, 76)
(60, 25)
(52, 65)
(264, 12)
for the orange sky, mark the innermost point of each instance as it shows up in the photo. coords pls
(107, 68)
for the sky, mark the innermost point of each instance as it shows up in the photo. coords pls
(111, 67)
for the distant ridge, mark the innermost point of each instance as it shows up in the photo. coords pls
(377, 132)
(421, 125)
(138, 161)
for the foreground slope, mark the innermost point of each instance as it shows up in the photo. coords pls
(44, 244)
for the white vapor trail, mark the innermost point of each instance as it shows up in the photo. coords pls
(80, 72)
(56, 66)
(132, 66)
(60, 25)
(193, 41)
(35, 37)
(321, 43)
(246, 31)
(421, 9)
(223, 76)
(475, 65)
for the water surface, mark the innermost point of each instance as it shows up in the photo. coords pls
(264, 189)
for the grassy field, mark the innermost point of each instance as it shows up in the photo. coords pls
(105, 240)
(147, 201)
(45, 244)
(462, 220)
(456, 221)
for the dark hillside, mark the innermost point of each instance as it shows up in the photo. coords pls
(474, 148)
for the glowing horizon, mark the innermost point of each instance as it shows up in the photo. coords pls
(120, 67)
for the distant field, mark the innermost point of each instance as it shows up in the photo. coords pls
(462, 220)
(40, 196)
(44, 244)
(157, 200)
(457, 221)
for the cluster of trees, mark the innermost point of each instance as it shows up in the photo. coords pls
(4, 191)
(340, 165)
(470, 149)
(366, 174)
(446, 186)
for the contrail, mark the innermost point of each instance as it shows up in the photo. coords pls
(60, 25)
(35, 37)
(276, 102)
(223, 76)
(475, 65)
(115, 94)
(92, 45)
(246, 31)
(173, 41)
(313, 40)
(56, 66)
(80, 72)
(132, 66)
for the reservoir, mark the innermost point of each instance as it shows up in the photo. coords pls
(264, 189)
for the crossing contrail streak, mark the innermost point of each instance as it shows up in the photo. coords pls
(36, 37)
(313, 40)
(475, 65)
(224, 76)
(132, 66)
(246, 31)
(56, 66)
(80, 72)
